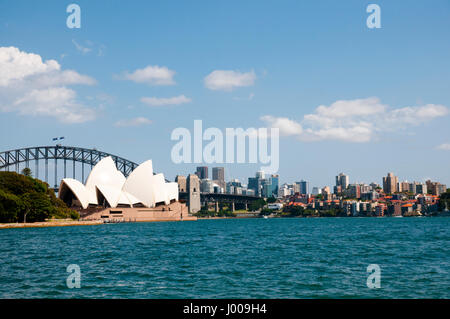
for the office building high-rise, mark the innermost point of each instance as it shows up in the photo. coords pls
(254, 183)
(304, 187)
(260, 174)
(343, 181)
(275, 179)
(202, 172)
(390, 183)
(218, 174)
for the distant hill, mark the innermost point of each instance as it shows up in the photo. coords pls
(24, 197)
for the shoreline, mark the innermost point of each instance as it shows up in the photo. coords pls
(51, 224)
(101, 222)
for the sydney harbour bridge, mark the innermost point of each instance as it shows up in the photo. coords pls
(41, 155)
(67, 157)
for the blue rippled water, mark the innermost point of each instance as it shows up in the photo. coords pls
(246, 258)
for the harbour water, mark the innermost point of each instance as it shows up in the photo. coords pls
(231, 258)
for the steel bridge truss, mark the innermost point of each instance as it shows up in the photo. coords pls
(59, 152)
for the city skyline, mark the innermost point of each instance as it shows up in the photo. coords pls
(268, 185)
(367, 106)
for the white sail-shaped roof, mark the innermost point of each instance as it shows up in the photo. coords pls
(172, 191)
(131, 199)
(160, 190)
(105, 173)
(77, 188)
(140, 184)
(111, 194)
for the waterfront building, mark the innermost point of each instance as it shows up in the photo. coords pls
(436, 188)
(379, 210)
(372, 195)
(107, 187)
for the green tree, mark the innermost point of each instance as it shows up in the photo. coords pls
(10, 207)
(26, 171)
(257, 204)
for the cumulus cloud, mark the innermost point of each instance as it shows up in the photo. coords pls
(227, 80)
(31, 86)
(358, 120)
(444, 147)
(286, 126)
(156, 101)
(138, 121)
(152, 75)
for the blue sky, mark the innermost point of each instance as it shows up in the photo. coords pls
(392, 83)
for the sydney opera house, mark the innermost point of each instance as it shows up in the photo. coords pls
(143, 196)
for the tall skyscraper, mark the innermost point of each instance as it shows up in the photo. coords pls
(254, 183)
(202, 172)
(304, 187)
(218, 177)
(218, 174)
(343, 181)
(275, 184)
(390, 183)
(260, 174)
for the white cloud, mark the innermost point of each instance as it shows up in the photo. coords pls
(286, 126)
(444, 147)
(81, 48)
(138, 121)
(153, 75)
(358, 120)
(16, 65)
(56, 102)
(155, 101)
(224, 80)
(357, 107)
(31, 86)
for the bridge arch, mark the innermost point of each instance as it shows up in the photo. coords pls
(81, 155)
